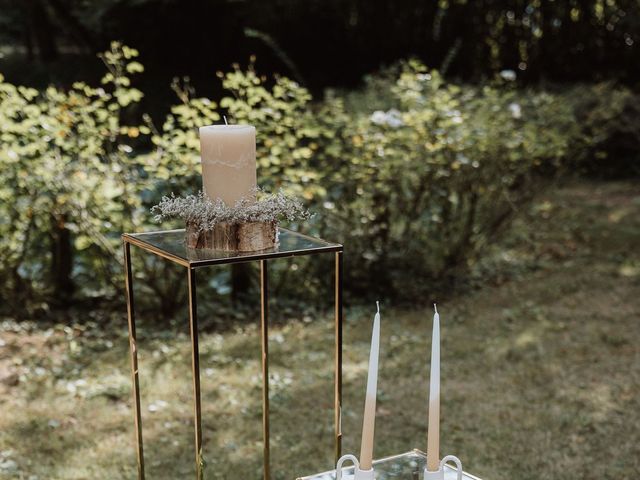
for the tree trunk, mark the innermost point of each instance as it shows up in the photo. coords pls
(40, 30)
(28, 40)
(61, 261)
(240, 282)
(72, 25)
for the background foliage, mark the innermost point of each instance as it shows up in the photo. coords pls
(415, 174)
(324, 43)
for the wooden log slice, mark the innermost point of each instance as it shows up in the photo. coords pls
(234, 237)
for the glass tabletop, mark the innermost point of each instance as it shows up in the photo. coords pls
(171, 244)
(406, 466)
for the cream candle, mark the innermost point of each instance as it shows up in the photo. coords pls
(433, 434)
(228, 155)
(369, 421)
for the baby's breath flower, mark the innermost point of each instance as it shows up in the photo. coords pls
(201, 211)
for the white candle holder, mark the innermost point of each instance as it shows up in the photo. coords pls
(404, 466)
(439, 474)
(359, 474)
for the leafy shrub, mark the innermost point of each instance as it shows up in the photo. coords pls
(609, 117)
(437, 175)
(71, 179)
(415, 189)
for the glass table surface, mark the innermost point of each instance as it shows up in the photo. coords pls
(171, 244)
(406, 466)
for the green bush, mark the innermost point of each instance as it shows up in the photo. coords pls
(609, 117)
(71, 181)
(414, 174)
(434, 178)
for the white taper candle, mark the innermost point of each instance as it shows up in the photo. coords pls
(433, 434)
(368, 424)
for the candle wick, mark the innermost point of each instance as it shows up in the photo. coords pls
(378, 305)
(435, 308)
(225, 119)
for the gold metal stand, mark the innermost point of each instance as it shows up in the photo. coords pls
(170, 245)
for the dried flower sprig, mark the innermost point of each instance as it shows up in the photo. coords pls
(201, 211)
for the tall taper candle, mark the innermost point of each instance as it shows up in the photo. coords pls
(433, 434)
(228, 162)
(368, 424)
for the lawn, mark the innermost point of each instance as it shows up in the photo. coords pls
(541, 370)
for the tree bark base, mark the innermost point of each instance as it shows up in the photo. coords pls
(236, 237)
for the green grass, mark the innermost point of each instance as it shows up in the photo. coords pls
(541, 371)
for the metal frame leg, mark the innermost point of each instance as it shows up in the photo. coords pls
(133, 352)
(264, 328)
(338, 355)
(195, 366)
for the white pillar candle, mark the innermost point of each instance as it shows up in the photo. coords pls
(433, 434)
(228, 162)
(369, 421)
